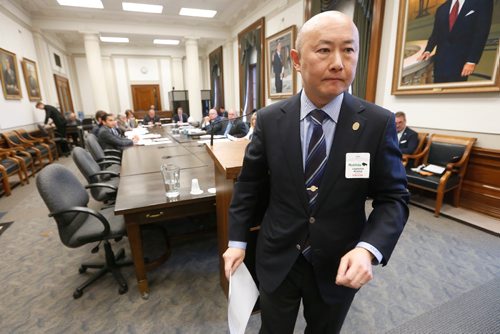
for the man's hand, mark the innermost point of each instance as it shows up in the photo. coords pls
(424, 56)
(468, 69)
(355, 268)
(135, 139)
(232, 259)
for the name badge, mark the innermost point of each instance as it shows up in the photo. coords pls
(357, 165)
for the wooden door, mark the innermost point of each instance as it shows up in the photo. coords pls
(146, 95)
(64, 94)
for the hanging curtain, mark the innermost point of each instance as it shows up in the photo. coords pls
(363, 10)
(249, 42)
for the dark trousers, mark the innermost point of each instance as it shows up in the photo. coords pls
(279, 309)
(278, 83)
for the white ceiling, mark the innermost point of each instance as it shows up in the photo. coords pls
(68, 23)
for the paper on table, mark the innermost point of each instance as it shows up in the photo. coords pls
(221, 140)
(243, 294)
(434, 169)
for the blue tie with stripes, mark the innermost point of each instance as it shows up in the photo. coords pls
(315, 165)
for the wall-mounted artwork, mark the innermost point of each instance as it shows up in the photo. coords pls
(9, 75)
(216, 78)
(31, 79)
(251, 66)
(280, 74)
(443, 48)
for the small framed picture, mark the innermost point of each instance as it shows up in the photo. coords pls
(9, 75)
(281, 76)
(31, 79)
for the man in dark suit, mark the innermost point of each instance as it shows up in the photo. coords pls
(109, 138)
(234, 126)
(151, 118)
(180, 116)
(98, 118)
(407, 138)
(322, 153)
(59, 121)
(460, 32)
(214, 123)
(278, 68)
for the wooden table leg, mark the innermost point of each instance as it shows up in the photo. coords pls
(135, 240)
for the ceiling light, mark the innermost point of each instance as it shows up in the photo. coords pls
(114, 39)
(197, 12)
(142, 7)
(166, 41)
(82, 3)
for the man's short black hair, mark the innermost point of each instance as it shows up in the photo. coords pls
(99, 114)
(106, 116)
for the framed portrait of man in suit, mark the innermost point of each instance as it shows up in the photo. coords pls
(280, 74)
(9, 75)
(31, 79)
(447, 46)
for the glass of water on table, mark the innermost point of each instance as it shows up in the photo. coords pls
(171, 179)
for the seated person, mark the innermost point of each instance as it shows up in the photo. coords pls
(98, 125)
(180, 116)
(129, 114)
(234, 126)
(109, 138)
(253, 121)
(72, 123)
(213, 123)
(122, 124)
(151, 118)
(408, 139)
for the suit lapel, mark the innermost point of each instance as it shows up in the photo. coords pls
(289, 136)
(348, 130)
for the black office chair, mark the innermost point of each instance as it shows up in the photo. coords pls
(107, 159)
(103, 184)
(78, 225)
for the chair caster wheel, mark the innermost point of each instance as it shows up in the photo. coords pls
(77, 294)
(123, 289)
(82, 270)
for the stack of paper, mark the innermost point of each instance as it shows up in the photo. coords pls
(243, 294)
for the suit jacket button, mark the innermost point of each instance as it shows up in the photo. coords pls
(312, 220)
(297, 246)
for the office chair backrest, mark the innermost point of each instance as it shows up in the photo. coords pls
(86, 164)
(94, 147)
(61, 190)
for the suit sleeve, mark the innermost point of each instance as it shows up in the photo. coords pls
(481, 31)
(47, 116)
(250, 186)
(390, 196)
(112, 140)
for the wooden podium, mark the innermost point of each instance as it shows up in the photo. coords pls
(228, 158)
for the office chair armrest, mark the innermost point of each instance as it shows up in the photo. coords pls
(113, 158)
(105, 172)
(106, 163)
(83, 209)
(101, 185)
(112, 151)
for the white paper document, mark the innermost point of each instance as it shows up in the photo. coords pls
(243, 294)
(434, 169)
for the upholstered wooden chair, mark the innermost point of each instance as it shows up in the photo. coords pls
(38, 151)
(422, 136)
(450, 152)
(40, 140)
(9, 165)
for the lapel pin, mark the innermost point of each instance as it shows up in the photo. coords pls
(355, 126)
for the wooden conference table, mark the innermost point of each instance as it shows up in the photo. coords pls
(141, 194)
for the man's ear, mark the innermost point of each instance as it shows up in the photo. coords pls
(294, 54)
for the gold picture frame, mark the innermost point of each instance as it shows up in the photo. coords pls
(280, 73)
(31, 80)
(9, 75)
(416, 75)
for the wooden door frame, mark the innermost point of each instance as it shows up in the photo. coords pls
(149, 84)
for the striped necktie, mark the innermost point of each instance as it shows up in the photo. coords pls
(316, 156)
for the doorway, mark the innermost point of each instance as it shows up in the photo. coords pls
(144, 96)
(64, 95)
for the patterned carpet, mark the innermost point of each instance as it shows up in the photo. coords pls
(436, 261)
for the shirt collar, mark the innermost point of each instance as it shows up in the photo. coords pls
(332, 109)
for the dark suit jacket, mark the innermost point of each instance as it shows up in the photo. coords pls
(238, 129)
(217, 126)
(148, 119)
(409, 141)
(184, 118)
(464, 43)
(274, 156)
(58, 119)
(108, 140)
(277, 63)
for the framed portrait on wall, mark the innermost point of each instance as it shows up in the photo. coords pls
(446, 48)
(280, 74)
(9, 75)
(31, 79)
(251, 66)
(215, 60)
